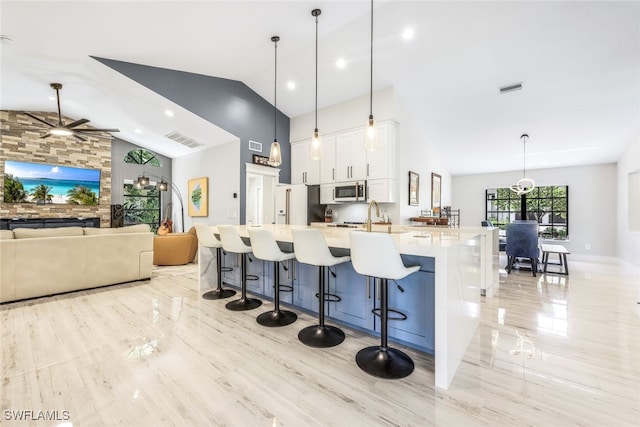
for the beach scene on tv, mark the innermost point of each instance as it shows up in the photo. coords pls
(43, 184)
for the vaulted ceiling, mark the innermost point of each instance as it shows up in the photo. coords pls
(579, 63)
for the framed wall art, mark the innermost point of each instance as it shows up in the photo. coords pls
(436, 183)
(198, 197)
(414, 188)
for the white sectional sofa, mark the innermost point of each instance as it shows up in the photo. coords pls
(46, 261)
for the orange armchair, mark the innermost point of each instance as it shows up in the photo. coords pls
(175, 248)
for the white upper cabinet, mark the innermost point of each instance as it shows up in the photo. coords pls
(344, 158)
(351, 157)
(328, 161)
(304, 170)
(382, 190)
(381, 163)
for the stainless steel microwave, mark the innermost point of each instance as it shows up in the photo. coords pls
(351, 192)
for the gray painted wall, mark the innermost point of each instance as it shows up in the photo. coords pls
(228, 104)
(121, 170)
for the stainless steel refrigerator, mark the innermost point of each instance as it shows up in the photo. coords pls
(298, 204)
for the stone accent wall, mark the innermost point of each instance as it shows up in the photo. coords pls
(20, 141)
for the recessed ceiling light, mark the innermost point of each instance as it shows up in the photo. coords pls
(168, 113)
(341, 63)
(291, 85)
(137, 131)
(408, 34)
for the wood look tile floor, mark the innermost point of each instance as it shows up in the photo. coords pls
(550, 351)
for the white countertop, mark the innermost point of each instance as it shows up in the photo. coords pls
(419, 241)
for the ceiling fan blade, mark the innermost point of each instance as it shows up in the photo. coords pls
(91, 135)
(79, 137)
(38, 119)
(97, 130)
(76, 123)
(45, 136)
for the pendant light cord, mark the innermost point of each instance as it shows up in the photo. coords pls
(316, 116)
(275, 91)
(524, 155)
(371, 68)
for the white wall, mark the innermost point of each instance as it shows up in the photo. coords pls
(628, 242)
(592, 202)
(413, 150)
(220, 165)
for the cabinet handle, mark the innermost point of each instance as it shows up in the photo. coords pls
(351, 171)
(378, 288)
(356, 191)
(368, 287)
(333, 174)
(294, 270)
(367, 169)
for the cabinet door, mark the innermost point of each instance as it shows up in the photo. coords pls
(358, 156)
(417, 302)
(299, 160)
(305, 286)
(382, 190)
(381, 163)
(255, 267)
(286, 280)
(356, 296)
(328, 162)
(327, 194)
(343, 157)
(231, 277)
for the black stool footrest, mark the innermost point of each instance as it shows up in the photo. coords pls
(401, 315)
(329, 297)
(226, 269)
(286, 288)
(252, 277)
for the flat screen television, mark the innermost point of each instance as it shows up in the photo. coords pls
(41, 183)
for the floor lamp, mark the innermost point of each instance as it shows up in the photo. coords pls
(163, 185)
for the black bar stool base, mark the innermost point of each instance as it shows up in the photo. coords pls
(243, 304)
(321, 336)
(391, 364)
(219, 294)
(276, 318)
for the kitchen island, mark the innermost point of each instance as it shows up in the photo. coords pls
(442, 300)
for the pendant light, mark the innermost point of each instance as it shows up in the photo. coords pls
(525, 185)
(275, 156)
(315, 150)
(371, 140)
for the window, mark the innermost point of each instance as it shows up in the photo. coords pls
(141, 206)
(141, 157)
(547, 205)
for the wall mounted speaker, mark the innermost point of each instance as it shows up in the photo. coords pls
(117, 216)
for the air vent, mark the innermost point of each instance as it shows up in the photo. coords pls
(510, 88)
(183, 139)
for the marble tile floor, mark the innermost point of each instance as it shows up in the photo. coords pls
(550, 351)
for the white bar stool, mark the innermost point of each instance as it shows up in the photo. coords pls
(376, 255)
(311, 248)
(266, 248)
(206, 239)
(232, 242)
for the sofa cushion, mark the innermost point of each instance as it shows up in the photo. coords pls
(6, 234)
(138, 228)
(29, 233)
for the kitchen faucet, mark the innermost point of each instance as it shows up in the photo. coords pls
(371, 203)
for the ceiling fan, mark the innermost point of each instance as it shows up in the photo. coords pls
(61, 129)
